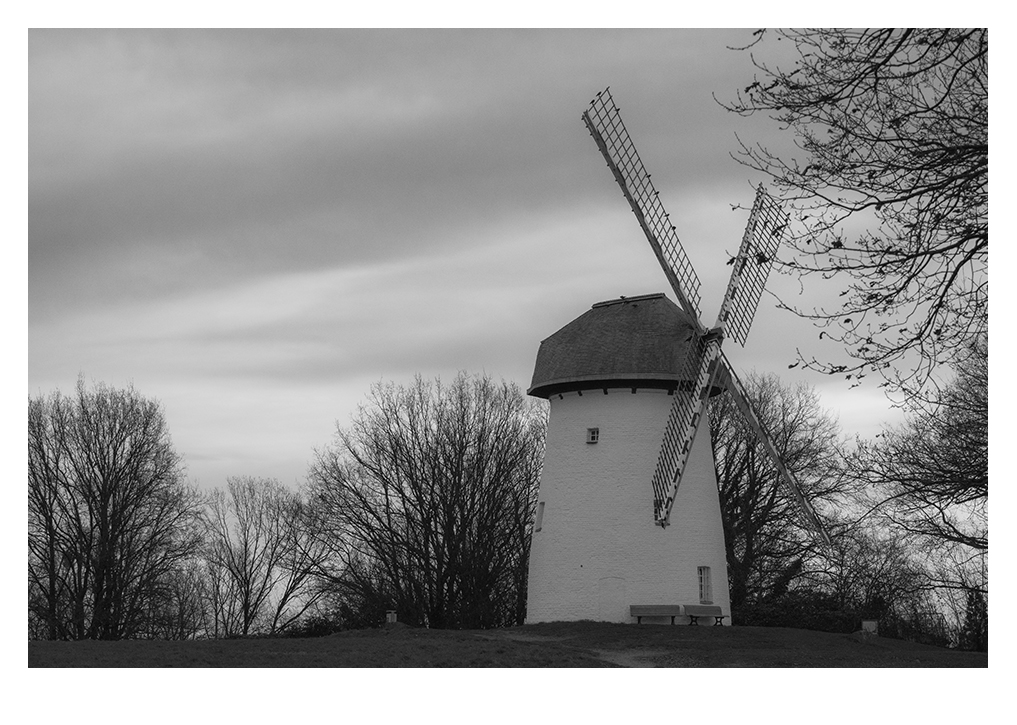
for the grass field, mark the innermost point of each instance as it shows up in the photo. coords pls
(573, 644)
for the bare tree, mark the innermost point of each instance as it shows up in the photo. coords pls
(873, 570)
(930, 475)
(109, 514)
(974, 631)
(893, 124)
(960, 577)
(766, 543)
(180, 608)
(428, 501)
(878, 573)
(922, 507)
(929, 480)
(260, 556)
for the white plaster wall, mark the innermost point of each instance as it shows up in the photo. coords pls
(599, 550)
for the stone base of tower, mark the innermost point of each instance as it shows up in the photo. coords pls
(596, 549)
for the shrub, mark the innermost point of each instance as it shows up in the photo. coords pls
(317, 625)
(803, 609)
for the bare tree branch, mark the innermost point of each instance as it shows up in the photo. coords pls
(894, 128)
(429, 496)
(110, 520)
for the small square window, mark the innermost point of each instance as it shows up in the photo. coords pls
(592, 435)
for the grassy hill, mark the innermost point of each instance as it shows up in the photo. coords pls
(573, 644)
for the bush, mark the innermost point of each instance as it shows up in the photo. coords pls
(318, 625)
(923, 628)
(800, 609)
(821, 612)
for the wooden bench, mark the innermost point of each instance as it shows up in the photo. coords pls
(655, 610)
(692, 611)
(695, 611)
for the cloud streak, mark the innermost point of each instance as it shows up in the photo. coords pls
(252, 226)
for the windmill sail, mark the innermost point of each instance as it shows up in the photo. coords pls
(751, 267)
(705, 363)
(762, 237)
(697, 376)
(727, 378)
(604, 121)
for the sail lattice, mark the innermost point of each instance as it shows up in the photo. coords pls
(604, 121)
(763, 235)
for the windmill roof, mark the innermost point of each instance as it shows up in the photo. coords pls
(638, 341)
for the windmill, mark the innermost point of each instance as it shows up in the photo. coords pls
(704, 363)
(628, 507)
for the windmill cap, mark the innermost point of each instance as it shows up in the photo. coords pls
(628, 342)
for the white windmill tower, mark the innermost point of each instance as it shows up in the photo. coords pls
(628, 509)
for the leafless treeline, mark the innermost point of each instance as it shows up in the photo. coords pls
(907, 512)
(423, 506)
(427, 502)
(110, 520)
(887, 187)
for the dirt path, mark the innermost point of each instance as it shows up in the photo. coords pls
(519, 636)
(629, 657)
(622, 658)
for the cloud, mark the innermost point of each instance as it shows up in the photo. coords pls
(248, 151)
(254, 226)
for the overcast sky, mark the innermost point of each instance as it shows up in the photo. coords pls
(254, 226)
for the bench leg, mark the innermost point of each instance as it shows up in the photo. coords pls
(639, 620)
(693, 619)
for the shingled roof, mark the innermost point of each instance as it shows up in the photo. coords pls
(628, 342)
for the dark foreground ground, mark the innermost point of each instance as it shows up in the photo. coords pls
(574, 644)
